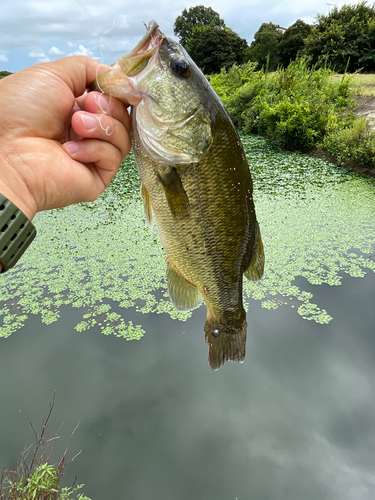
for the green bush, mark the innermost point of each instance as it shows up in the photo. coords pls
(293, 105)
(227, 83)
(352, 145)
(42, 484)
(299, 106)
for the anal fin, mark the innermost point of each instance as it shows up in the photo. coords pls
(146, 204)
(184, 295)
(174, 192)
(256, 268)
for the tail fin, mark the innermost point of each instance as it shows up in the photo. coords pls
(225, 343)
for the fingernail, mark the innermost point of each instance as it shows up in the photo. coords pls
(101, 102)
(71, 147)
(89, 121)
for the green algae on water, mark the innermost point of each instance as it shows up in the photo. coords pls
(91, 256)
(317, 221)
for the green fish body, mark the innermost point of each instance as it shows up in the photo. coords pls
(195, 182)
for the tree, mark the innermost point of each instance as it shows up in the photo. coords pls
(214, 48)
(344, 38)
(4, 73)
(293, 41)
(265, 46)
(194, 17)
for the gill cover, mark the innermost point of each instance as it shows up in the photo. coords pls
(180, 139)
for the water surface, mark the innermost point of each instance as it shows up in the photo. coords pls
(295, 421)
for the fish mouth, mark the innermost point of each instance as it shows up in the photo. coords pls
(122, 78)
(134, 62)
(151, 37)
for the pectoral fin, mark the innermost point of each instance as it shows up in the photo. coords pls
(255, 270)
(146, 204)
(174, 192)
(184, 295)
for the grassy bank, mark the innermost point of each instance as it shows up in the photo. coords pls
(300, 107)
(362, 85)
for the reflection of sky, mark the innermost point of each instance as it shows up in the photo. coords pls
(295, 421)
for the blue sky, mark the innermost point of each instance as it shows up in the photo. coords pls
(33, 31)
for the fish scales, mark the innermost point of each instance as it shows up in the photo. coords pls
(209, 246)
(197, 184)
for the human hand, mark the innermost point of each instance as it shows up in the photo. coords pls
(53, 149)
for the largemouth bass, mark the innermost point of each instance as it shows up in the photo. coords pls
(195, 181)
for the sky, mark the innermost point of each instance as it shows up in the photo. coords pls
(33, 31)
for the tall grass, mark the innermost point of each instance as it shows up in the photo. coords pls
(352, 145)
(293, 105)
(36, 478)
(299, 106)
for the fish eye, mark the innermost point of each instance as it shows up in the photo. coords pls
(215, 333)
(180, 67)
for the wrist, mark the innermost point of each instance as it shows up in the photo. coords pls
(13, 188)
(16, 200)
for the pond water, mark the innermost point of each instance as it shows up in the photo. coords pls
(294, 421)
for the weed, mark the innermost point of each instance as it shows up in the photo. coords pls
(352, 145)
(292, 105)
(38, 479)
(300, 106)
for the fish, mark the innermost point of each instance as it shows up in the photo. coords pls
(196, 184)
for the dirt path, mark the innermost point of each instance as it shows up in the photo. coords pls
(366, 107)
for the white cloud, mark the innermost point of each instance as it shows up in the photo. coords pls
(3, 58)
(44, 59)
(55, 51)
(110, 29)
(37, 54)
(82, 51)
(114, 47)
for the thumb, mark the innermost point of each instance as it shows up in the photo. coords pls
(76, 71)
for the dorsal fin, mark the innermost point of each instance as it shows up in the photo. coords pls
(174, 192)
(184, 295)
(146, 204)
(255, 270)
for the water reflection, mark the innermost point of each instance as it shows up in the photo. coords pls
(295, 421)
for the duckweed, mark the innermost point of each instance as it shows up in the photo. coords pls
(317, 222)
